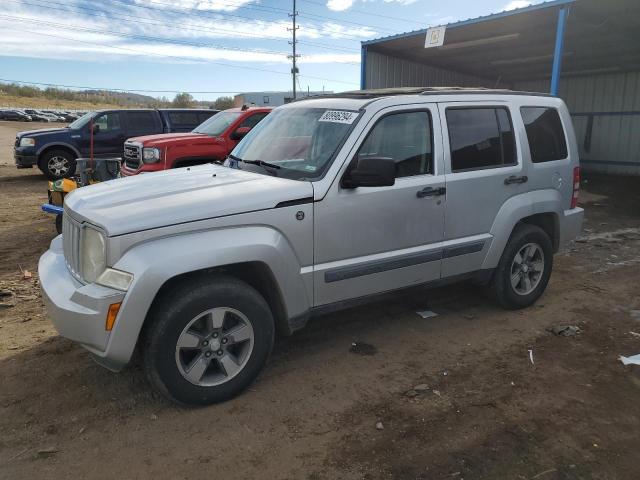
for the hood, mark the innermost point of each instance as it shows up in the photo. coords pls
(181, 195)
(163, 139)
(42, 131)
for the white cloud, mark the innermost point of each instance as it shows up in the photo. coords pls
(213, 5)
(401, 2)
(339, 5)
(87, 38)
(513, 5)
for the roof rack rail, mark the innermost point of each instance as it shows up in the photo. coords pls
(388, 92)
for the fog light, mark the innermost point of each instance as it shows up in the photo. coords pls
(114, 308)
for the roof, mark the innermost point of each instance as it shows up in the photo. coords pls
(601, 36)
(470, 21)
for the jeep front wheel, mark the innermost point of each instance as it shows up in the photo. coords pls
(207, 340)
(524, 269)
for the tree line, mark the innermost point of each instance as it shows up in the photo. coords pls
(123, 99)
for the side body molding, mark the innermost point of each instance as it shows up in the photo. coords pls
(515, 209)
(155, 262)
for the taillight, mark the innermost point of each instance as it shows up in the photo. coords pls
(576, 187)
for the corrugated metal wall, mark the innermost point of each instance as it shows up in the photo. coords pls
(385, 71)
(614, 143)
(602, 106)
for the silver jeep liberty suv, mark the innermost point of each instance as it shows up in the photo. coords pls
(328, 200)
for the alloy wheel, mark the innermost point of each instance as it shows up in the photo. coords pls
(214, 347)
(58, 166)
(527, 269)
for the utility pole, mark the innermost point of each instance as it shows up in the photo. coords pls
(294, 56)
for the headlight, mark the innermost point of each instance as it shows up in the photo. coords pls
(93, 254)
(27, 142)
(117, 279)
(150, 155)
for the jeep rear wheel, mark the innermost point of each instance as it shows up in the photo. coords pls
(57, 164)
(524, 269)
(207, 340)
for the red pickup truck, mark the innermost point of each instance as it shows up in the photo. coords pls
(210, 141)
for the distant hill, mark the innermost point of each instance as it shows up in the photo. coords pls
(21, 96)
(122, 98)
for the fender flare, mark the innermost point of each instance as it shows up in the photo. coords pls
(514, 210)
(155, 262)
(49, 145)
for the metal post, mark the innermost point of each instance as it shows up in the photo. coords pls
(363, 67)
(557, 54)
(294, 56)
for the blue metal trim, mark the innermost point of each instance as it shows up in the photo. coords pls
(557, 53)
(363, 66)
(605, 114)
(48, 208)
(471, 21)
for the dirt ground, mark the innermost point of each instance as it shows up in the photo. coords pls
(322, 409)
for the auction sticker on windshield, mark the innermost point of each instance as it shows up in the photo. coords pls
(338, 116)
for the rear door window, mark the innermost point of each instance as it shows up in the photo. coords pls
(545, 134)
(184, 120)
(480, 137)
(202, 116)
(142, 123)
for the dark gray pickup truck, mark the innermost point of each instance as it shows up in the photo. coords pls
(55, 150)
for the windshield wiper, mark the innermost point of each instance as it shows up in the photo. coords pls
(260, 163)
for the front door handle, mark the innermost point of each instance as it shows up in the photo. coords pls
(513, 179)
(431, 192)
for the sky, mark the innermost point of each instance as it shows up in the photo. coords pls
(209, 48)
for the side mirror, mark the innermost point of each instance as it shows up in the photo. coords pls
(370, 172)
(96, 128)
(240, 132)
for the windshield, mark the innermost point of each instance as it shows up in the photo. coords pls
(82, 121)
(300, 141)
(217, 124)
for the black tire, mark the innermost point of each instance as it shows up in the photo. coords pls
(501, 287)
(52, 174)
(59, 224)
(176, 310)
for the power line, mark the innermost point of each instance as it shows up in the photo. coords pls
(108, 89)
(187, 26)
(144, 37)
(178, 58)
(262, 8)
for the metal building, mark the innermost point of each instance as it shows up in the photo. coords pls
(270, 99)
(585, 51)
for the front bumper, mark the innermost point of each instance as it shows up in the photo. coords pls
(25, 157)
(77, 311)
(571, 225)
(144, 168)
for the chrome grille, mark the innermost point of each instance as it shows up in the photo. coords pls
(71, 232)
(132, 156)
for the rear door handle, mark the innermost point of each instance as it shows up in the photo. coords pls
(431, 192)
(513, 179)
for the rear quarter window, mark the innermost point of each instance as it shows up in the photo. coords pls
(545, 134)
